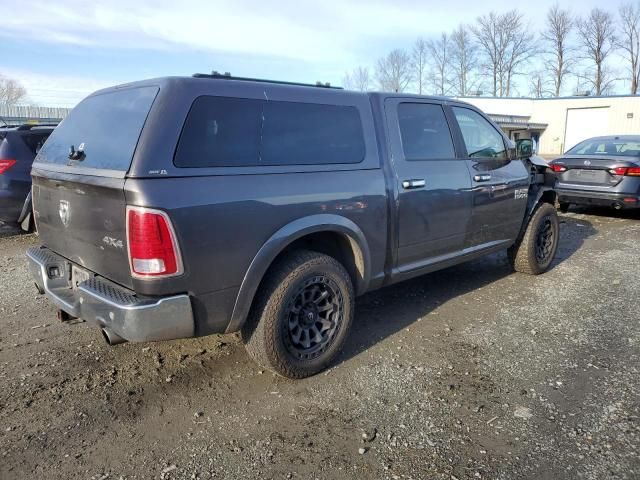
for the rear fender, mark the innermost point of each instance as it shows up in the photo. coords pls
(284, 237)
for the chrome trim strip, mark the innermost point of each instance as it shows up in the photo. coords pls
(79, 170)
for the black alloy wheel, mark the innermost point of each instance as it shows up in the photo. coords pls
(313, 315)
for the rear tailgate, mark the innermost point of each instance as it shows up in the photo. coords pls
(79, 200)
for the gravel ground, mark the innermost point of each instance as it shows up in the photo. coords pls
(472, 372)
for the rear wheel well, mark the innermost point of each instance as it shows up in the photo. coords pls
(337, 245)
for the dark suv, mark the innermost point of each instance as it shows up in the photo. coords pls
(182, 207)
(18, 148)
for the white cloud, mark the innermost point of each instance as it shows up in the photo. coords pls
(222, 26)
(330, 31)
(56, 90)
(325, 37)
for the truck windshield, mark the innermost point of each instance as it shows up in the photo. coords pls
(103, 130)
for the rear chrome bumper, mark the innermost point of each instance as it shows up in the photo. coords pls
(97, 300)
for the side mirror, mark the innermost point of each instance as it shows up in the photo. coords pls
(524, 148)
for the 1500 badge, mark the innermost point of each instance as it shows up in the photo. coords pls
(521, 193)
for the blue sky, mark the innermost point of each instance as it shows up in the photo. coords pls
(62, 50)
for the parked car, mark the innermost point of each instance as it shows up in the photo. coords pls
(601, 171)
(193, 206)
(18, 147)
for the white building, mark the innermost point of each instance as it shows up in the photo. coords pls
(557, 124)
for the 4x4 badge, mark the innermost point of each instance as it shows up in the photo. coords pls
(64, 212)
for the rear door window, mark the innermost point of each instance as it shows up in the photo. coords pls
(480, 137)
(236, 132)
(107, 125)
(425, 132)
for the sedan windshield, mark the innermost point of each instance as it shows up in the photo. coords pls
(627, 148)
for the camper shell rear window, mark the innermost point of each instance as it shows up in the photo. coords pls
(105, 127)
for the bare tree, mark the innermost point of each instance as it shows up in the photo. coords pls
(464, 60)
(419, 57)
(556, 33)
(439, 55)
(536, 87)
(11, 91)
(519, 47)
(358, 79)
(539, 85)
(630, 41)
(393, 71)
(507, 44)
(488, 35)
(598, 39)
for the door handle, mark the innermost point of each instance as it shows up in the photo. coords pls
(413, 183)
(482, 178)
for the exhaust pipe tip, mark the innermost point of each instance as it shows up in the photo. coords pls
(111, 338)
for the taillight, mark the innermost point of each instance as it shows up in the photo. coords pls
(557, 167)
(152, 244)
(626, 171)
(6, 165)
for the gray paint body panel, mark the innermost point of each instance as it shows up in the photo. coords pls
(231, 222)
(231, 227)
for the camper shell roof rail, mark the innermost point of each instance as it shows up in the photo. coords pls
(227, 76)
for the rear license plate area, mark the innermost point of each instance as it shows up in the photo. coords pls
(78, 275)
(588, 176)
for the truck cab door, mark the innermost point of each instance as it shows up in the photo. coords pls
(500, 185)
(433, 203)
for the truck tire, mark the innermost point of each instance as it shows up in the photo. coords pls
(535, 251)
(301, 316)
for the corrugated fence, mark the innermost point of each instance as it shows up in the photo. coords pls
(26, 114)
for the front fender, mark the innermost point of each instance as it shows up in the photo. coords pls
(284, 237)
(542, 193)
(539, 194)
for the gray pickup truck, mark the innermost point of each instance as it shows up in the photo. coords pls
(181, 207)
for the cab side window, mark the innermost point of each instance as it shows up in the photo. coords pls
(480, 137)
(424, 131)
